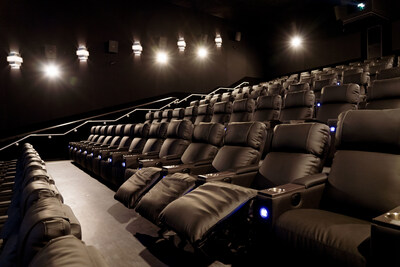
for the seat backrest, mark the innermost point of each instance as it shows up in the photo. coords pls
(128, 135)
(319, 84)
(111, 132)
(206, 140)
(215, 99)
(227, 97)
(384, 94)
(298, 106)
(204, 113)
(190, 113)
(166, 115)
(388, 73)
(275, 89)
(257, 91)
(222, 112)
(337, 98)
(243, 145)
(194, 103)
(103, 132)
(179, 136)
(267, 108)
(364, 178)
(119, 132)
(156, 137)
(297, 150)
(178, 113)
(242, 110)
(140, 134)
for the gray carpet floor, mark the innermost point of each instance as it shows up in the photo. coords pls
(122, 236)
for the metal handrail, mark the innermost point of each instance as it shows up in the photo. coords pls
(89, 120)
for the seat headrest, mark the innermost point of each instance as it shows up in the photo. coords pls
(227, 97)
(209, 132)
(274, 89)
(326, 76)
(251, 134)
(269, 102)
(369, 130)
(205, 109)
(149, 116)
(182, 129)
(93, 129)
(129, 129)
(295, 87)
(103, 130)
(157, 115)
(387, 88)
(119, 129)
(349, 93)
(158, 130)
(111, 130)
(244, 105)
(142, 130)
(97, 130)
(194, 103)
(319, 84)
(167, 114)
(204, 101)
(191, 111)
(389, 73)
(299, 99)
(178, 113)
(309, 138)
(223, 107)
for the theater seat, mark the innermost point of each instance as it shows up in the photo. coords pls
(242, 149)
(298, 150)
(388, 73)
(207, 139)
(348, 218)
(190, 113)
(204, 113)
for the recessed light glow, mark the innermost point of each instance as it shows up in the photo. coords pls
(202, 52)
(162, 57)
(52, 71)
(296, 42)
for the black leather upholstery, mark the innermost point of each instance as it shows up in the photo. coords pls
(384, 94)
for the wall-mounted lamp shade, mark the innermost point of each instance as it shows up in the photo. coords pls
(162, 57)
(15, 60)
(202, 52)
(82, 53)
(218, 40)
(137, 48)
(181, 44)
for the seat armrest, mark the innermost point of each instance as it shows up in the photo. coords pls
(171, 157)
(174, 168)
(385, 238)
(203, 162)
(303, 192)
(131, 160)
(143, 163)
(216, 176)
(311, 180)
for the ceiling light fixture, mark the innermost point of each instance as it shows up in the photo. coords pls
(202, 52)
(162, 57)
(52, 71)
(296, 42)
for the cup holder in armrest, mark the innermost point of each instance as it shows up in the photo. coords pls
(393, 216)
(279, 190)
(389, 219)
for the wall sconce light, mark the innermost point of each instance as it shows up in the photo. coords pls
(15, 60)
(218, 40)
(82, 53)
(137, 48)
(181, 44)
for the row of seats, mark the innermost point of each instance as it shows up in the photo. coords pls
(37, 228)
(346, 217)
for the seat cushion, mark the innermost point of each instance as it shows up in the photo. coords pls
(164, 192)
(334, 236)
(203, 208)
(130, 191)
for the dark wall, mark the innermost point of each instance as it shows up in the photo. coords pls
(28, 99)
